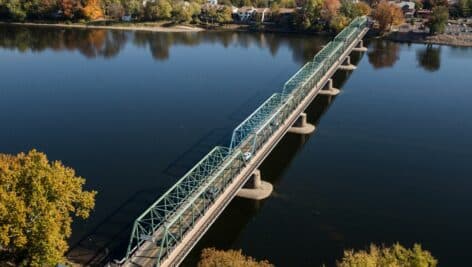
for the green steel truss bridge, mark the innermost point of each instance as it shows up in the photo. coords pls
(167, 231)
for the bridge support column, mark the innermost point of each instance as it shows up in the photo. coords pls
(301, 126)
(256, 188)
(360, 47)
(347, 65)
(330, 90)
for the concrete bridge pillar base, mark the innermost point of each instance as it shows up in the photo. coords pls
(256, 188)
(361, 47)
(331, 90)
(347, 65)
(301, 126)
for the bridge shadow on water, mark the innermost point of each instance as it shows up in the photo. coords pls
(225, 232)
(109, 239)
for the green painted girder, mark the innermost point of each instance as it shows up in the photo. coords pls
(170, 217)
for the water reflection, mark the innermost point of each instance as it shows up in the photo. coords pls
(383, 54)
(228, 229)
(429, 58)
(93, 43)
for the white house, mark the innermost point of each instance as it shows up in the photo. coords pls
(245, 13)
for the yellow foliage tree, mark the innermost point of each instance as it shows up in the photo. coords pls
(363, 8)
(395, 256)
(232, 258)
(37, 201)
(387, 15)
(93, 10)
(338, 22)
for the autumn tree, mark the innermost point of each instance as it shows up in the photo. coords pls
(338, 23)
(438, 20)
(69, 8)
(308, 13)
(364, 8)
(232, 258)
(92, 10)
(396, 255)
(387, 15)
(330, 9)
(37, 201)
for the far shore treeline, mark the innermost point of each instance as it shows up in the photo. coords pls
(310, 15)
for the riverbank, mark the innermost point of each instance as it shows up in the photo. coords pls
(166, 26)
(463, 40)
(150, 27)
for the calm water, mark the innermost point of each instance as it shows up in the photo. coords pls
(131, 112)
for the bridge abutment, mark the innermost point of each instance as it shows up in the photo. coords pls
(360, 47)
(331, 91)
(301, 126)
(347, 64)
(256, 188)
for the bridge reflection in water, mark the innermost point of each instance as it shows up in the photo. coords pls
(168, 230)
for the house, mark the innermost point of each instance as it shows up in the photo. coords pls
(212, 2)
(407, 7)
(245, 13)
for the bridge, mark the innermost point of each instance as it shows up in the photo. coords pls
(168, 230)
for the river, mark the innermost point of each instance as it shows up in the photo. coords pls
(133, 111)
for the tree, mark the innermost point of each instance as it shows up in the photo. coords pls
(92, 10)
(330, 9)
(69, 8)
(363, 8)
(308, 12)
(339, 22)
(464, 7)
(232, 258)
(133, 7)
(15, 10)
(349, 9)
(438, 20)
(388, 256)
(37, 200)
(112, 8)
(387, 15)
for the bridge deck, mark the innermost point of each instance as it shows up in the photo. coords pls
(165, 233)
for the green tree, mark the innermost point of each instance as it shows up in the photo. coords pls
(338, 22)
(232, 258)
(388, 256)
(15, 10)
(349, 9)
(438, 20)
(308, 13)
(112, 8)
(37, 201)
(133, 8)
(464, 7)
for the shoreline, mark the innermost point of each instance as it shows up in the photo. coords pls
(159, 27)
(424, 38)
(149, 28)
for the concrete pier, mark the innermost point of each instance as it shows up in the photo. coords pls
(301, 126)
(347, 64)
(360, 47)
(330, 90)
(256, 188)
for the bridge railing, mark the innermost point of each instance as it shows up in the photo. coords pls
(187, 216)
(253, 122)
(168, 219)
(170, 202)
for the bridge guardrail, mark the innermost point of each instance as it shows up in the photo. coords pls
(194, 193)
